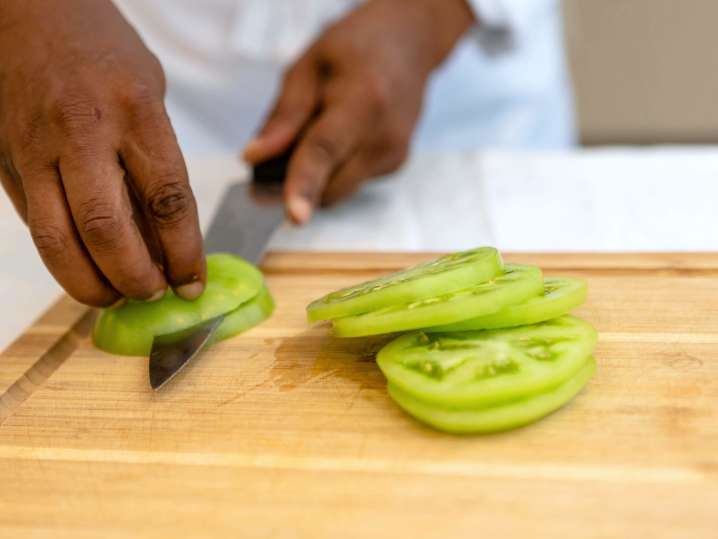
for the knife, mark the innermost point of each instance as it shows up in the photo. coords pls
(248, 215)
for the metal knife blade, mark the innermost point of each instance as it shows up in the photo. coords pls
(172, 351)
(248, 215)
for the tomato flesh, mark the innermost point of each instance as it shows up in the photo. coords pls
(246, 316)
(516, 284)
(446, 274)
(560, 296)
(481, 368)
(496, 418)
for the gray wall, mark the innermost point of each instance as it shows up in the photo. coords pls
(644, 70)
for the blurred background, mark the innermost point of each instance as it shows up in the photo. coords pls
(642, 70)
(637, 170)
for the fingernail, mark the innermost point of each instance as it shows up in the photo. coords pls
(300, 210)
(119, 303)
(156, 296)
(190, 291)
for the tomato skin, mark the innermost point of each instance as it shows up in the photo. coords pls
(439, 276)
(129, 329)
(516, 284)
(246, 316)
(497, 418)
(483, 368)
(561, 295)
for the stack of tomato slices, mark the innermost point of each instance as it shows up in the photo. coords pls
(489, 346)
(235, 288)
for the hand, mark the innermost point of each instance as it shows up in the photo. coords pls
(88, 155)
(350, 103)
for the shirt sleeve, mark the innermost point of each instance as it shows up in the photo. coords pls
(511, 17)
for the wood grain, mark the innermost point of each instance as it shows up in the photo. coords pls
(288, 432)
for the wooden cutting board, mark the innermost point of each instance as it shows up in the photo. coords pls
(288, 432)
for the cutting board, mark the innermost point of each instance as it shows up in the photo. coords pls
(288, 432)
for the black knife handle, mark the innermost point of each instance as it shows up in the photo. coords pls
(274, 170)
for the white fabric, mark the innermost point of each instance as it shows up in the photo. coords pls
(515, 16)
(506, 84)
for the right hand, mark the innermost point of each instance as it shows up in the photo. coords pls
(88, 155)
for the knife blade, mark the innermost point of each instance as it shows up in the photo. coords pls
(248, 214)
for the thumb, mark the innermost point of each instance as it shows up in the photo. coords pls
(298, 99)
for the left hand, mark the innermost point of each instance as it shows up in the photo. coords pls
(351, 101)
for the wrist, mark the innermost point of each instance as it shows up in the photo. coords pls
(447, 21)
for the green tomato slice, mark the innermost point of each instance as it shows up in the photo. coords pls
(129, 329)
(484, 368)
(560, 296)
(246, 316)
(446, 274)
(516, 284)
(497, 418)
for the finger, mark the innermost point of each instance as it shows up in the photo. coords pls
(57, 240)
(328, 142)
(367, 163)
(10, 180)
(100, 205)
(296, 104)
(346, 180)
(159, 177)
(147, 230)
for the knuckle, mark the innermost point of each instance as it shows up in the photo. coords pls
(323, 148)
(51, 242)
(30, 132)
(99, 225)
(138, 95)
(151, 124)
(79, 148)
(72, 112)
(170, 202)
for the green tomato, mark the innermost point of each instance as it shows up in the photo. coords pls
(246, 316)
(473, 369)
(497, 418)
(446, 274)
(561, 295)
(516, 284)
(129, 329)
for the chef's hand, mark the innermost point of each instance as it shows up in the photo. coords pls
(88, 155)
(351, 101)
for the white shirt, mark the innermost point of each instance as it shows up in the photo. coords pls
(505, 85)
